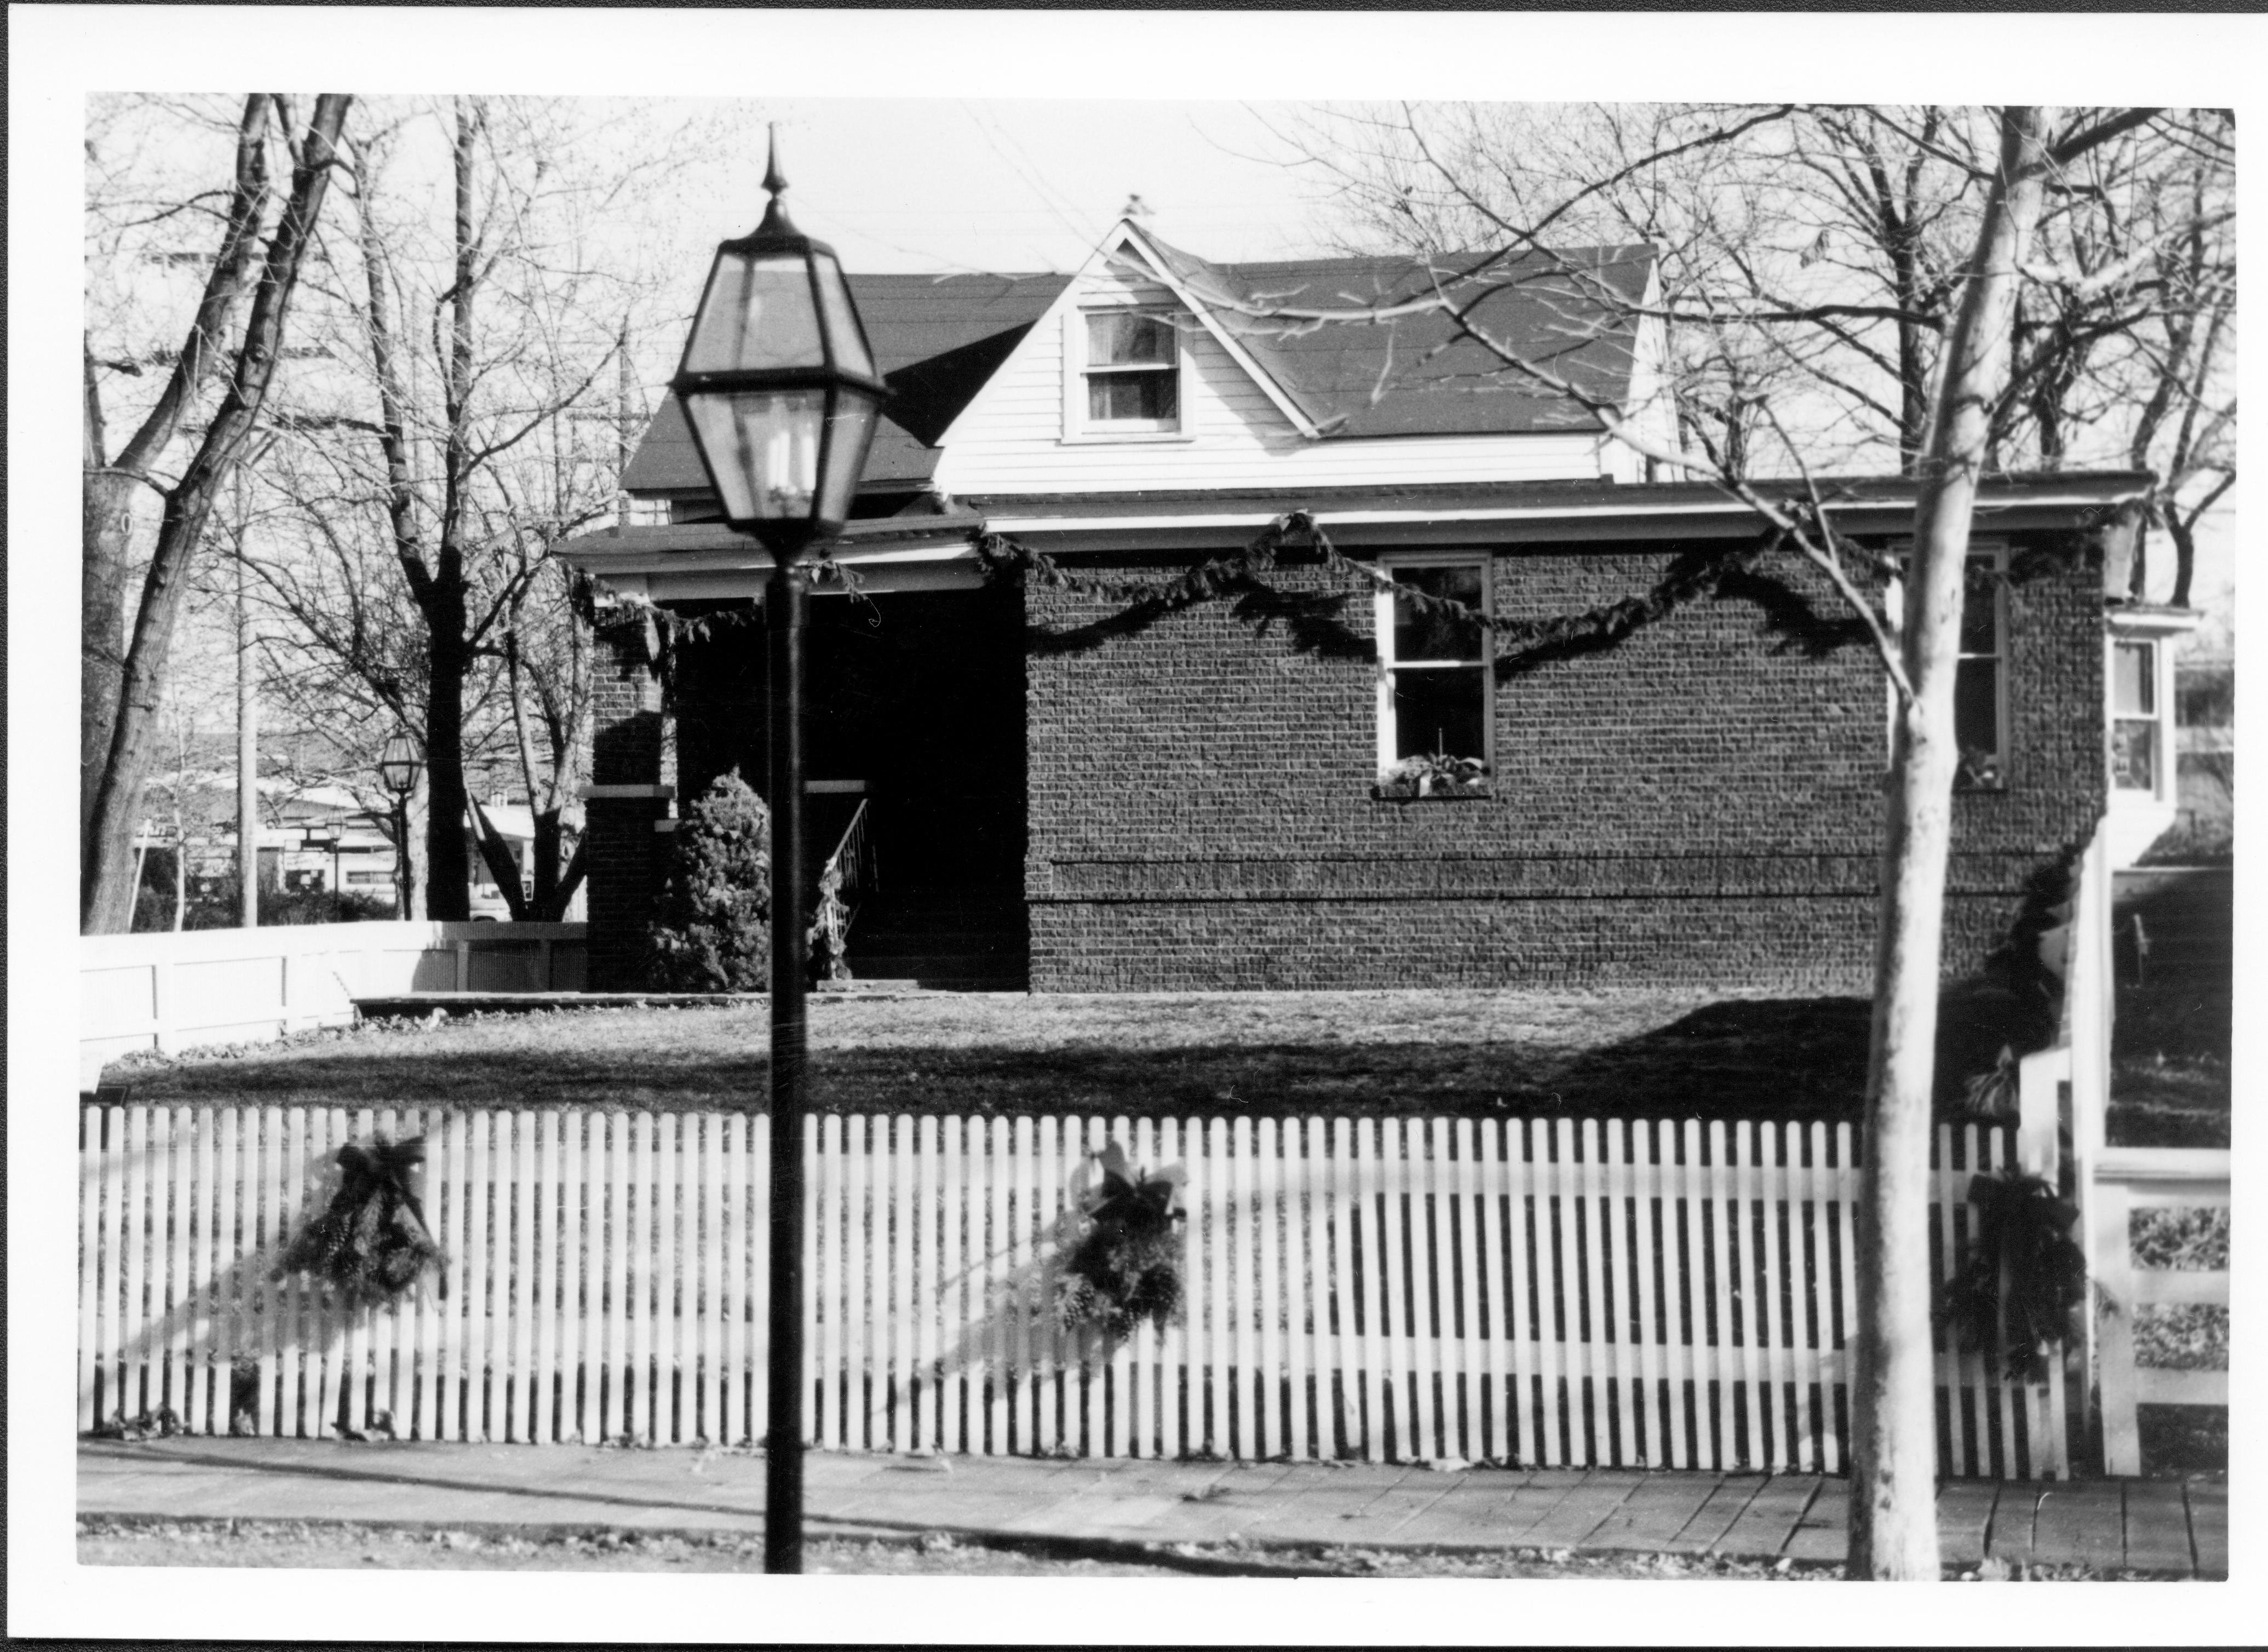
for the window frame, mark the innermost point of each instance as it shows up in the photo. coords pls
(2161, 730)
(1078, 425)
(1995, 554)
(1382, 626)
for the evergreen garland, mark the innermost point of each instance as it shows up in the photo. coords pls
(1314, 623)
(370, 1243)
(2022, 1271)
(1125, 1264)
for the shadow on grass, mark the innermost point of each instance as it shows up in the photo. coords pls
(1754, 1058)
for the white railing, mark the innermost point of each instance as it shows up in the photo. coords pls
(1540, 1291)
(2127, 1179)
(204, 986)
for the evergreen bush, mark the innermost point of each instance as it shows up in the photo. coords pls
(712, 932)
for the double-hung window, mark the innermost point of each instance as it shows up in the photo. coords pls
(1434, 678)
(1980, 683)
(1131, 372)
(2134, 722)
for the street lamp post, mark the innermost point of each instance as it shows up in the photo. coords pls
(780, 391)
(399, 765)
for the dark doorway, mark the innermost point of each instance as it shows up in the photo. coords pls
(918, 699)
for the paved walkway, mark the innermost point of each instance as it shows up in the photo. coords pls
(2159, 1525)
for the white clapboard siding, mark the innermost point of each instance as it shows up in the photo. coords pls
(1639, 1293)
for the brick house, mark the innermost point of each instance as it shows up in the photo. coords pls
(1219, 796)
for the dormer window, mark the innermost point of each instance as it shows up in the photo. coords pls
(1132, 372)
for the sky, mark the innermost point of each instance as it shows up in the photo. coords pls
(1031, 153)
(1000, 185)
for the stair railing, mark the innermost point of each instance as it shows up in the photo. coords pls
(843, 882)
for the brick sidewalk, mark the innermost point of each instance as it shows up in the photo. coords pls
(2156, 1525)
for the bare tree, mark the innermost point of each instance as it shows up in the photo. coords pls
(479, 321)
(105, 902)
(1893, 1526)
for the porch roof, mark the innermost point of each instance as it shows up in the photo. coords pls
(934, 550)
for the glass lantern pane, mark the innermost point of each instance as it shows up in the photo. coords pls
(842, 318)
(762, 448)
(756, 314)
(850, 434)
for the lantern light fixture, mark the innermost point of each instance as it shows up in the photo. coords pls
(779, 382)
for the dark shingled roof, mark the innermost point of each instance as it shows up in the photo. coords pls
(938, 338)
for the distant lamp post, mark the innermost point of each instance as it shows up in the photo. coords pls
(779, 388)
(399, 765)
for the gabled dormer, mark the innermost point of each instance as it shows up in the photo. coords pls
(1156, 370)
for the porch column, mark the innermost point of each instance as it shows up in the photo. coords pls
(623, 851)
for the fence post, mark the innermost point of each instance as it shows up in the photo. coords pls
(2111, 1308)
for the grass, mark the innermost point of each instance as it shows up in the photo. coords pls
(1438, 1052)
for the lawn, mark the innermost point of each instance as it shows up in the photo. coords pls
(1444, 1052)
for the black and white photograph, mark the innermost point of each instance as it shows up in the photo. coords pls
(943, 811)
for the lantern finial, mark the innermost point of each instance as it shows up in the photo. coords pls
(775, 183)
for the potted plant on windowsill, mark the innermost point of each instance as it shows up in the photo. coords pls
(1432, 776)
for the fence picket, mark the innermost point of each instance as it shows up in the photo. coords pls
(1619, 1178)
(1499, 1438)
(591, 1416)
(571, 1417)
(926, 1287)
(953, 1399)
(93, 1157)
(1336, 1353)
(179, 1166)
(1562, 1400)
(132, 1403)
(994, 1304)
(732, 1390)
(1296, 1185)
(1526, 1319)
(1177, 1356)
(1811, 1253)
(1955, 1448)
(1312, 1272)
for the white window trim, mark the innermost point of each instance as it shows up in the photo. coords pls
(1077, 427)
(1382, 628)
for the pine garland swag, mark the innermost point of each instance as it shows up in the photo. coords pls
(2022, 1270)
(1125, 1264)
(370, 1243)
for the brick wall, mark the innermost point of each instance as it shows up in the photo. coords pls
(622, 849)
(1698, 803)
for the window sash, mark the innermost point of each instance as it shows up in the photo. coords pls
(1402, 680)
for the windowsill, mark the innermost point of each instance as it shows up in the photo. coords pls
(1464, 795)
(1089, 438)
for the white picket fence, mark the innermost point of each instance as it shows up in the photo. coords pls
(1544, 1292)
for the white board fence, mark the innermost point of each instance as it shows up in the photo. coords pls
(1637, 1293)
(207, 986)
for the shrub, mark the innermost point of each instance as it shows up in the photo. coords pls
(712, 932)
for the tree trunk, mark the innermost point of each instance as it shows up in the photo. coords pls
(1894, 1418)
(448, 867)
(106, 897)
(106, 527)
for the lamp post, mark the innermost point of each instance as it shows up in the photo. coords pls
(779, 388)
(399, 765)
